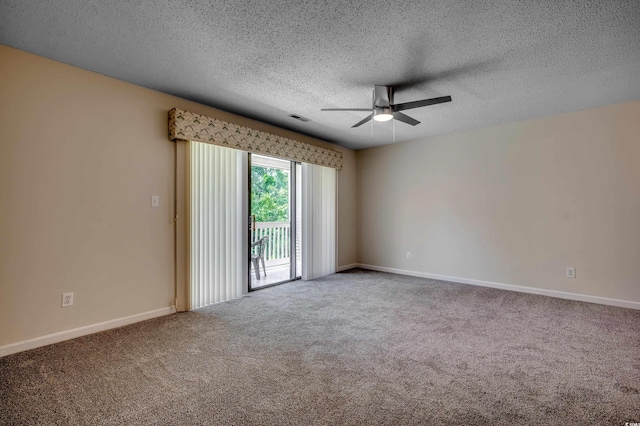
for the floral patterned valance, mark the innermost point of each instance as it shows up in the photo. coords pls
(187, 125)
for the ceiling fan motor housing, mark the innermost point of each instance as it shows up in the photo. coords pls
(382, 103)
(382, 96)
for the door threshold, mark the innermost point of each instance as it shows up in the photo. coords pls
(274, 284)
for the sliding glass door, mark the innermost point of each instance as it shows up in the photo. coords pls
(275, 193)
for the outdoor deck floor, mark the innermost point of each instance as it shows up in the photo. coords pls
(275, 274)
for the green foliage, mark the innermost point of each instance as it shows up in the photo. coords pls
(269, 194)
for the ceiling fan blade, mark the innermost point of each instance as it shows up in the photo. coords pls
(361, 122)
(405, 118)
(345, 109)
(422, 103)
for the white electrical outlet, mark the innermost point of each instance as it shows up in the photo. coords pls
(570, 272)
(67, 300)
(409, 255)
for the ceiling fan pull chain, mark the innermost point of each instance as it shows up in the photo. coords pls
(394, 131)
(371, 131)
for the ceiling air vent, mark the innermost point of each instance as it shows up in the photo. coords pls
(299, 118)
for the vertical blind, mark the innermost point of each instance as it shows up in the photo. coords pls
(216, 266)
(318, 221)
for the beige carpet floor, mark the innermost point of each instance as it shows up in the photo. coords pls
(353, 348)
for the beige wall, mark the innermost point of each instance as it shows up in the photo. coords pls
(80, 156)
(512, 204)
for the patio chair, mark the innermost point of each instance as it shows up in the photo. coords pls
(257, 256)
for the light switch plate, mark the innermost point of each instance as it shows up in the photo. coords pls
(155, 201)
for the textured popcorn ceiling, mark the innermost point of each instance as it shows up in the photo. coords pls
(501, 61)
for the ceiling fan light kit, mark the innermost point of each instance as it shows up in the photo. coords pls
(383, 108)
(382, 114)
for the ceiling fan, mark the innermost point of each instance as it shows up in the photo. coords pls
(384, 109)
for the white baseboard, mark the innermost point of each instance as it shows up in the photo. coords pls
(345, 267)
(510, 287)
(82, 331)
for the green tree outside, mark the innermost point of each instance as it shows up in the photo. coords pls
(270, 194)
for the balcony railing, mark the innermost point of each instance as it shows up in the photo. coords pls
(279, 245)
